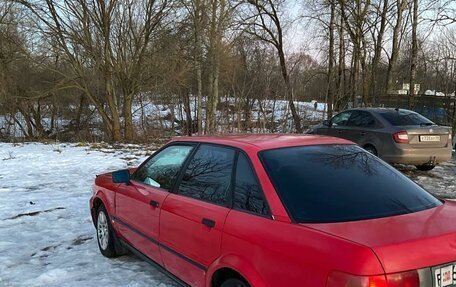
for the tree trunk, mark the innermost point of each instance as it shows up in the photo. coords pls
(365, 75)
(107, 69)
(289, 90)
(212, 51)
(27, 120)
(414, 55)
(199, 79)
(198, 63)
(378, 52)
(39, 129)
(355, 71)
(112, 104)
(330, 78)
(128, 118)
(392, 65)
(79, 114)
(215, 97)
(341, 67)
(188, 113)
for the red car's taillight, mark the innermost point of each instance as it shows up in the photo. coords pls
(404, 279)
(340, 279)
(401, 137)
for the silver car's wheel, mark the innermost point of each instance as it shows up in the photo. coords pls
(425, 167)
(371, 149)
(102, 230)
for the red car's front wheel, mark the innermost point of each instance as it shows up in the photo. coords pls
(105, 234)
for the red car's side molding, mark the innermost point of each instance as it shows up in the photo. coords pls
(157, 242)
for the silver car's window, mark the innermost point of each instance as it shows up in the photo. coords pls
(361, 119)
(341, 119)
(405, 118)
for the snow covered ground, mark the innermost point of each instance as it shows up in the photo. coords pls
(46, 233)
(441, 181)
(158, 115)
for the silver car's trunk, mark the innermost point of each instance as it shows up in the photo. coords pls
(427, 136)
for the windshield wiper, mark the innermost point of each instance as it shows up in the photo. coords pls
(426, 124)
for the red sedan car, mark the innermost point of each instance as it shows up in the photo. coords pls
(276, 210)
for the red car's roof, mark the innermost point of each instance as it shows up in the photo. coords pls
(265, 141)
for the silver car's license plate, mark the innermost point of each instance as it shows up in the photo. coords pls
(429, 138)
(445, 276)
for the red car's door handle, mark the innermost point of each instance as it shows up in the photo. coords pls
(208, 222)
(154, 203)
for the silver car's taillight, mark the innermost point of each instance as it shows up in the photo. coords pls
(401, 137)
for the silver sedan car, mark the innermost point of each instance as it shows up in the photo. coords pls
(395, 135)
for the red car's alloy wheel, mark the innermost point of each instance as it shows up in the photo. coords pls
(105, 234)
(102, 230)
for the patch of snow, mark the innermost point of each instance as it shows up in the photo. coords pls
(434, 93)
(46, 233)
(54, 276)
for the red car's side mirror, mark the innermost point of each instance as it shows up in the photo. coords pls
(121, 176)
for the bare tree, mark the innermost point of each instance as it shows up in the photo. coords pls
(401, 5)
(266, 25)
(110, 37)
(354, 14)
(383, 15)
(414, 55)
(331, 58)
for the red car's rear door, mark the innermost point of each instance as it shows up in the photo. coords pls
(191, 222)
(138, 204)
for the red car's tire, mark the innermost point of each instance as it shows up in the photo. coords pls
(105, 234)
(234, 283)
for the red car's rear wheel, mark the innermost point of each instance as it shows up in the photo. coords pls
(234, 283)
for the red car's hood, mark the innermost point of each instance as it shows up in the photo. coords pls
(404, 242)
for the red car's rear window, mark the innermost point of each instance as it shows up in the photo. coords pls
(337, 183)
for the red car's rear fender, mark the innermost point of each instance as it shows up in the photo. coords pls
(237, 264)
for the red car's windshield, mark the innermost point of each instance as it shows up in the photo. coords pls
(337, 183)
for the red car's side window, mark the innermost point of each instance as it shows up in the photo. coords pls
(248, 195)
(208, 174)
(162, 169)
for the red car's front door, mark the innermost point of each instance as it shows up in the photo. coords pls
(192, 221)
(138, 213)
(139, 203)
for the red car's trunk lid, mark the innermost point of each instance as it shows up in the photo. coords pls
(405, 242)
